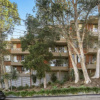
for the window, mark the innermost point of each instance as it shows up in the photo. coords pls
(8, 69)
(95, 28)
(78, 59)
(80, 26)
(22, 57)
(7, 58)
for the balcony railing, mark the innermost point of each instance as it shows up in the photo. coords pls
(61, 41)
(19, 51)
(91, 66)
(58, 54)
(59, 68)
(16, 62)
(94, 32)
(92, 50)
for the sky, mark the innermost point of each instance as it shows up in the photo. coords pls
(24, 7)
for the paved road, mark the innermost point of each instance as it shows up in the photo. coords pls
(91, 97)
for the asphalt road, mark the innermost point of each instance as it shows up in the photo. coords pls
(85, 97)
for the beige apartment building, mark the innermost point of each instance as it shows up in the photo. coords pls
(60, 52)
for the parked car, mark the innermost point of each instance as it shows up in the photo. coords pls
(2, 96)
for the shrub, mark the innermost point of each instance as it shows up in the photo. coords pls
(20, 88)
(13, 87)
(54, 91)
(34, 78)
(72, 77)
(81, 74)
(26, 86)
(61, 82)
(53, 78)
(49, 83)
(41, 85)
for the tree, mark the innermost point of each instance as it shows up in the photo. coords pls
(13, 76)
(37, 41)
(97, 73)
(8, 18)
(61, 14)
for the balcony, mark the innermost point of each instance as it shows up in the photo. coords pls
(15, 40)
(16, 63)
(92, 50)
(59, 68)
(19, 51)
(60, 54)
(91, 66)
(62, 41)
(94, 32)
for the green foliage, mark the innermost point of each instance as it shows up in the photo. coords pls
(66, 77)
(53, 78)
(72, 77)
(54, 87)
(41, 85)
(54, 91)
(49, 83)
(14, 75)
(13, 87)
(33, 78)
(81, 74)
(20, 88)
(1, 80)
(37, 42)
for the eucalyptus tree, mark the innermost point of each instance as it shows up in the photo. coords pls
(66, 15)
(8, 18)
(97, 73)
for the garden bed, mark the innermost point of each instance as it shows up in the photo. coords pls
(55, 92)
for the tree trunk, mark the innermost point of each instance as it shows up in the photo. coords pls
(5, 80)
(16, 83)
(74, 66)
(6, 84)
(30, 78)
(0, 85)
(97, 73)
(85, 73)
(45, 81)
(11, 84)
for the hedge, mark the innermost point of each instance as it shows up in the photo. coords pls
(53, 92)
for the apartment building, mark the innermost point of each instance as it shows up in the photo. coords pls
(61, 62)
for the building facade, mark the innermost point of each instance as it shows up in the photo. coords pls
(61, 62)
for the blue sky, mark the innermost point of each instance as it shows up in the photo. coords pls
(24, 7)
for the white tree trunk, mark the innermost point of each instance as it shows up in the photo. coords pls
(76, 73)
(85, 73)
(97, 73)
(45, 81)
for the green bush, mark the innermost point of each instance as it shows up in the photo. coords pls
(41, 85)
(26, 87)
(49, 83)
(72, 77)
(53, 78)
(54, 91)
(20, 88)
(34, 78)
(13, 87)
